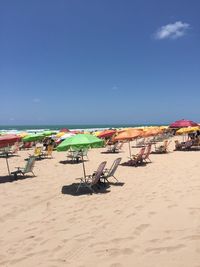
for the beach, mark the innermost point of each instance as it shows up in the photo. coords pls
(151, 218)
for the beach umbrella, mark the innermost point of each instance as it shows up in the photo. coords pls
(66, 135)
(33, 137)
(151, 132)
(64, 130)
(80, 142)
(187, 130)
(48, 133)
(183, 123)
(9, 139)
(128, 135)
(106, 133)
(60, 134)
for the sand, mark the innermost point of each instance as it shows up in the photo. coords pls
(151, 219)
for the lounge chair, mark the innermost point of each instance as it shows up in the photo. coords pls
(84, 153)
(137, 159)
(163, 148)
(28, 168)
(110, 172)
(38, 152)
(145, 156)
(115, 148)
(91, 180)
(74, 156)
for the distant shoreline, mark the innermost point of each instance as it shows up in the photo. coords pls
(69, 126)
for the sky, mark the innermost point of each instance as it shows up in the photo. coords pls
(99, 62)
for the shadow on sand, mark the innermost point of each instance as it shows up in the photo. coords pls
(71, 190)
(11, 178)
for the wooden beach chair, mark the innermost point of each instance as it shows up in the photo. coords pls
(145, 156)
(27, 169)
(137, 159)
(91, 180)
(163, 148)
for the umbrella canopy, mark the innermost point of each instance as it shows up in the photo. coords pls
(48, 133)
(151, 132)
(67, 135)
(64, 130)
(8, 139)
(106, 133)
(183, 123)
(128, 134)
(33, 137)
(80, 141)
(186, 130)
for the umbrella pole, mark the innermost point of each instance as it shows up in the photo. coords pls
(7, 163)
(129, 148)
(84, 172)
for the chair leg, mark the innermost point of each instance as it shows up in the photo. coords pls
(115, 178)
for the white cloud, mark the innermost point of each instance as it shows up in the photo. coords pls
(172, 31)
(36, 100)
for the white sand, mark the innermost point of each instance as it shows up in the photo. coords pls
(152, 220)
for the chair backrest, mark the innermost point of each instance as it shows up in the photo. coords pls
(38, 151)
(120, 145)
(98, 173)
(148, 151)
(29, 165)
(141, 153)
(15, 148)
(188, 144)
(114, 167)
(84, 152)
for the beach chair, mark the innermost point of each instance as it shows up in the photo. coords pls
(74, 156)
(107, 173)
(38, 152)
(145, 156)
(178, 145)
(27, 169)
(137, 158)
(188, 144)
(83, 153)
(163, 148)
(115, 148)
(14, 149)
(91, 180)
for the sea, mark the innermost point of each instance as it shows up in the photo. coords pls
(78, 127)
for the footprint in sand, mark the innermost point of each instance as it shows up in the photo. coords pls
(140, 229)
(116, 264)
(165, 249)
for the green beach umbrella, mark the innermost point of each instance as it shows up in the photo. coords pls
(48, 133)
(80, 142)
(33, 137)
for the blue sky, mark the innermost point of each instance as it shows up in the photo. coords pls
(105, 61)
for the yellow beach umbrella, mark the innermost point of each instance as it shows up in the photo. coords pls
(23, 134)
(187, 130)
(60, 134)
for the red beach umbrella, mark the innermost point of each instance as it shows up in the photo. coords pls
(106, 133)
(183, 123)
(64, 130)
(9, 139)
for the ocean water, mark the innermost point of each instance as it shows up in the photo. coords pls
(85, 127)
